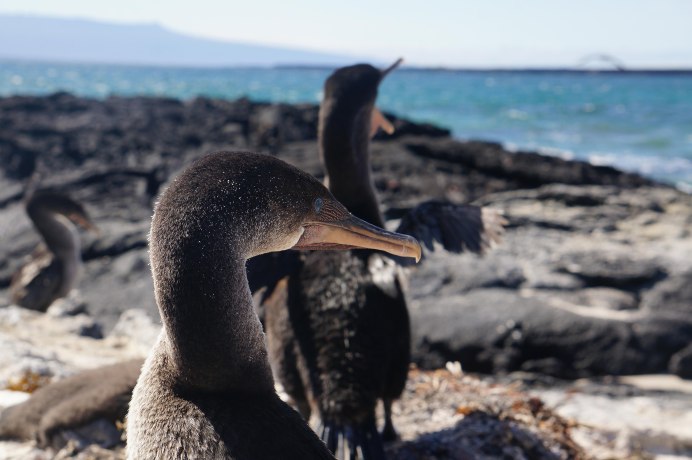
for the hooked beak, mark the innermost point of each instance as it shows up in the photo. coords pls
(378, 121)
(353, 233)
(85, 223)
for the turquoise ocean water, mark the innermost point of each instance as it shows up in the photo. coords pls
(636, 121)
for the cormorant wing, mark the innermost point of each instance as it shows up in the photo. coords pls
(35, 284)
(457, 227)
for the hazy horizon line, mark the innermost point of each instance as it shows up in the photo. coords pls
(404, 67)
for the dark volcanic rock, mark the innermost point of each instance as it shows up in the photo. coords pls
(610, 269)
(671, 295)
(681, 363)
(492, 330)
(529, 169)
(465, 273)
(561, 294)
(272, 126)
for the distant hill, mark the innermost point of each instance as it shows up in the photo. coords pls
(80, 40)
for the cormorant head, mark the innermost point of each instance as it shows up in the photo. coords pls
(355, 87)
(258, 204)
(59, 203)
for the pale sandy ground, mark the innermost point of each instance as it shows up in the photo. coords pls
(655, 421)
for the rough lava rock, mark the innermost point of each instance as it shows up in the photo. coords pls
(673, 295)
(590, 278)
(681, 363)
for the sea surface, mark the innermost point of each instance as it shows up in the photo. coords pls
(636, 121)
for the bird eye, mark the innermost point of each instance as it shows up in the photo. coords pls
(318, 204)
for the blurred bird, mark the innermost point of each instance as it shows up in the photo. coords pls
(84, 408)
(337, 324)
(54, 266)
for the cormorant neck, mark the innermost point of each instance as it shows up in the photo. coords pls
(59, 234)
(344, 149)
(214, 337)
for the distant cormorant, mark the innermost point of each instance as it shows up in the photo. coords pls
(54, 266)
(337, 323)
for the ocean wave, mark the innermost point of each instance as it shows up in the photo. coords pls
(676, 170)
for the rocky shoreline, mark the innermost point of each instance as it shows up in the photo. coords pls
(593, 276)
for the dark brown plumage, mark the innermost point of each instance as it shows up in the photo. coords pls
(54, 266)
(60, 411)
(337, 323)
(206, 390)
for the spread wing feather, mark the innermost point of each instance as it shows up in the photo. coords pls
(457, 227)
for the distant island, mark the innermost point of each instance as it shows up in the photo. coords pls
(44, 38)
(48, 39)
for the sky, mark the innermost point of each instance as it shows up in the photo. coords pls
(456, 33)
